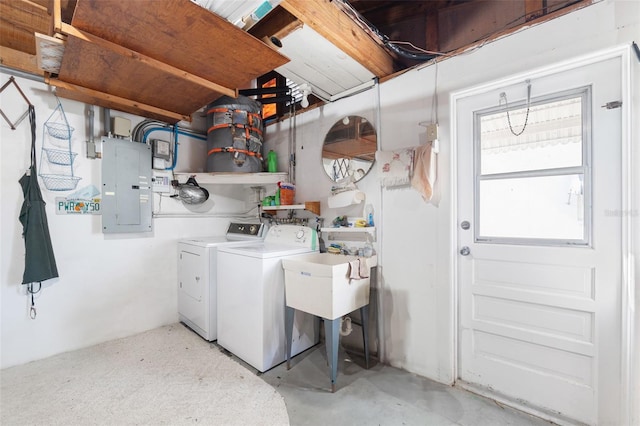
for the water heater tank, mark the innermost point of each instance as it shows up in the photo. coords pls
(234, 135)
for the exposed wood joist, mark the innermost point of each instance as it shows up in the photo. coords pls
(385, 13)
(534, 9)
(536, 21)
(279, 23)
(19, 61)
(94, 97)
(334, 25)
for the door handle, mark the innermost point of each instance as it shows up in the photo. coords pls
(465, 251)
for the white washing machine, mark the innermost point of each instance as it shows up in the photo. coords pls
(251, 298)
(197, 275)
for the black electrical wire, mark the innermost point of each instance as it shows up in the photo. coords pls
(427, 56)
(407, 53)
(385, 39)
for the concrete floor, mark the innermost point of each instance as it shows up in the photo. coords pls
(381, 395)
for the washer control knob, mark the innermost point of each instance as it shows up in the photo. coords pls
(300, 234)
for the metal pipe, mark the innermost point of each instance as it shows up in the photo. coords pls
(91, 143)
(106, 115)
(380, 292)
(90, 115)
(21, 74)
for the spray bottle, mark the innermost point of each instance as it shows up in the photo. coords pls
(368, 214)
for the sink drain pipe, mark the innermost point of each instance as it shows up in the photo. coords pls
(346, 320)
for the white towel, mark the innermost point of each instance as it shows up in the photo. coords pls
(364, 269)
(425, 170)
(354, 270)
(395, 167)
(358, 269)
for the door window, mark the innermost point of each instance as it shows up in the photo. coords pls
(532, 171)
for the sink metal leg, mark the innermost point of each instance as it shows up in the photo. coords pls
(364, 316)
(289, 314)
(332, 336)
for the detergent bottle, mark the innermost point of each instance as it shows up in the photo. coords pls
(272, 162)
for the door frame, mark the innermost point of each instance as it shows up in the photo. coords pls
(629, 249)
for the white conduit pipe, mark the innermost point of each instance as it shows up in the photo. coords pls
(201, 215)
(378, 278)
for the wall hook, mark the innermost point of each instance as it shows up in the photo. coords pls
(22, 117)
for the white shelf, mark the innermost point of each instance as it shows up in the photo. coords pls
(235, 178)
(351, 230)
(285, 207)
(312, 206)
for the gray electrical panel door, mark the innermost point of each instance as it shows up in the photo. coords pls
(126, 186)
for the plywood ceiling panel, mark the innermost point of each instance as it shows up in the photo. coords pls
(325, 17)
(182, 34)
(320, 63)
(89, 65)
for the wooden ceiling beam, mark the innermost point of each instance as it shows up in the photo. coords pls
(278, 23)
(20, 61)
(330, 22)
(432, 41)
(534, 9)
(106, 100)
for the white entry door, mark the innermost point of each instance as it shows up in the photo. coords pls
(539, 241)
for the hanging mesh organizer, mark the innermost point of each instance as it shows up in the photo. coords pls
(57, 171)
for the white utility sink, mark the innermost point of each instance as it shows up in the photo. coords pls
(319, 284)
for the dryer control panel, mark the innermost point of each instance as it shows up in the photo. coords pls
(295, 235)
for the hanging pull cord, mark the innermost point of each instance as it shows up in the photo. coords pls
(503, 95)
(32, 311)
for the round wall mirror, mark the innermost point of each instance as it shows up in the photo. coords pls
(349, 149)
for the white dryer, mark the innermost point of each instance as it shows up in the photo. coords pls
(197, 275)
(251, 295)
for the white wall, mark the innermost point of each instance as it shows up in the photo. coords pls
(110, 286)
(117, 285)
(416, 238)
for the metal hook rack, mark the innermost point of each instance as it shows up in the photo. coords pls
(13, 126)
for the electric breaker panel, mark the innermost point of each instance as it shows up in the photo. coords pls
(126, 186)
